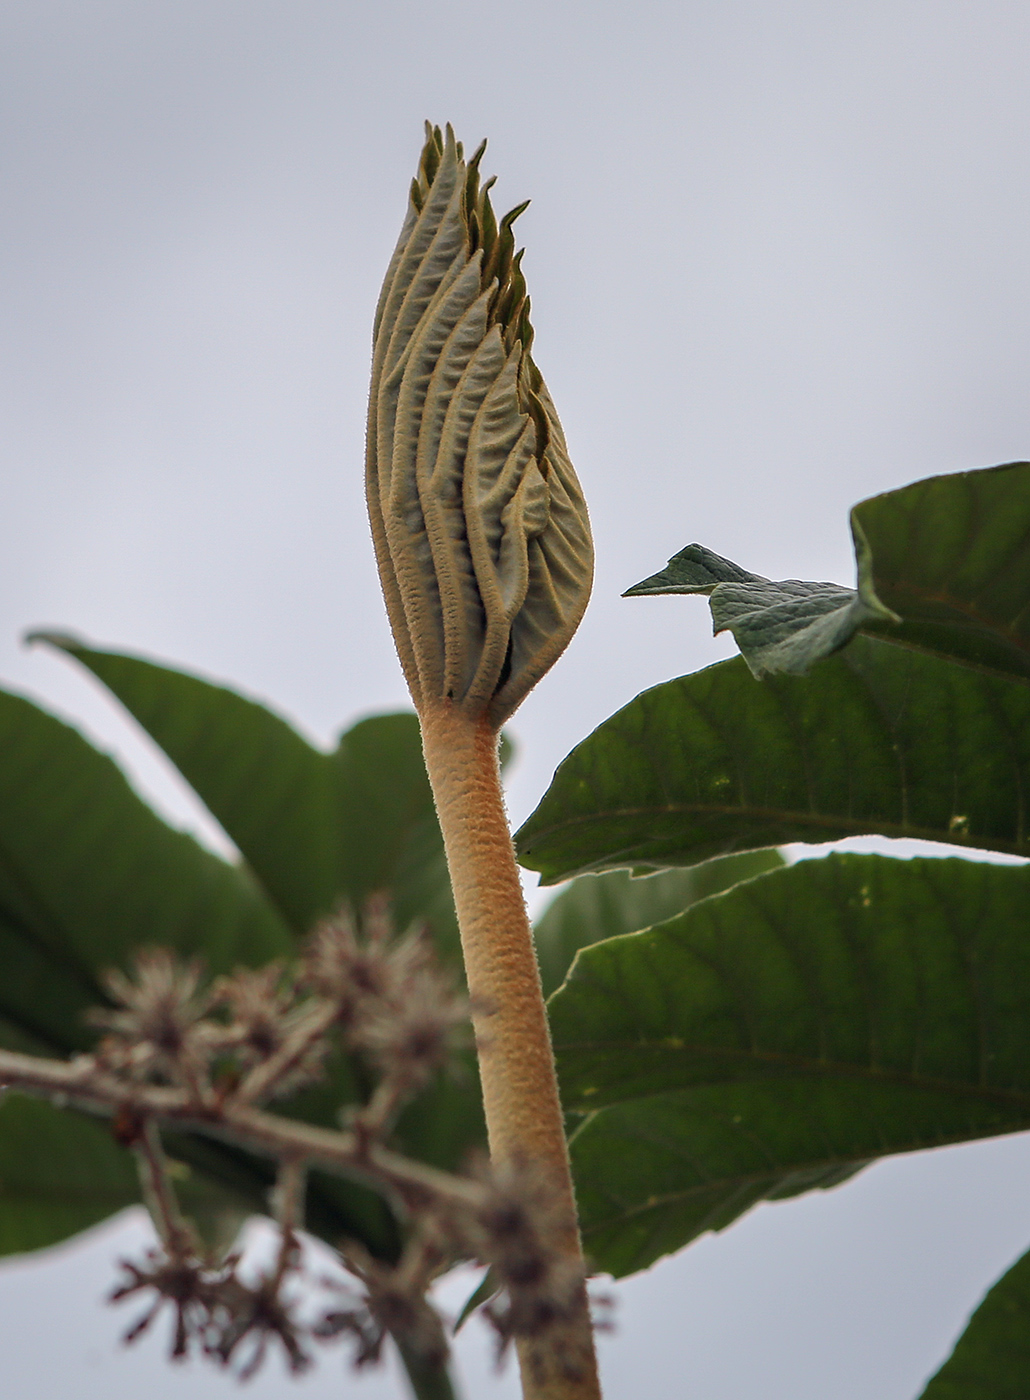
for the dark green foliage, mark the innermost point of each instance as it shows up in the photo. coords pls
(315, 828)
(770, 1031)
(951, 556)
(991, 1360)
(88, 873)
(600, 906)
(778, 1036)
(878, 740)
(59, 1173)
(943, 565)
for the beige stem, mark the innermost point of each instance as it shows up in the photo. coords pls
(520, 1091)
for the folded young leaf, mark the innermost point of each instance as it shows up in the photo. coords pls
(779, 627)
(480, 528)
(991, 1359)
(778, 1036)
(878, 740)
(943, 565)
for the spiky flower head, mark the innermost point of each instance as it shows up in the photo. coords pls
(157, 1029)
(480, 527)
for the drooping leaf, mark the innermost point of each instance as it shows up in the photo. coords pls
(487, 1288)
(595, 907)
(943, 565)
(991, 1359)
(653, 1174)
(877, 740)
(315, 828)
(88, 873)
(778, 1036)
(779, 627)
(267, 787)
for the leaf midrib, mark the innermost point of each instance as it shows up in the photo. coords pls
(814, 1069)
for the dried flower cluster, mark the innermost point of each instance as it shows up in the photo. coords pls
(179, 1051)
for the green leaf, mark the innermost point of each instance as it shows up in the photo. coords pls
(991, 1360)
(599, 906)
(778, 1036)
(951, 555)
(877, 740)
(785, 626)
(60, 1172)
(88, 873)
(487, 1288)
(943, 565)
(315, 828)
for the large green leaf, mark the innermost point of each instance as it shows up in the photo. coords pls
(991, 1360)
(877, 740)
(315, 828)
(59, 1173)
(951, 556)
(594, 907)
(779, 1035)
(943, 565)
(88, 872)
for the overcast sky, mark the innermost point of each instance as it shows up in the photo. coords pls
(777, 255)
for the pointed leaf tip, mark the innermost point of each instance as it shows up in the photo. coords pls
(694, 570)
(943, 566)
(65, 641)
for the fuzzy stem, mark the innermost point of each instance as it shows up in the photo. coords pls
(520, 1089)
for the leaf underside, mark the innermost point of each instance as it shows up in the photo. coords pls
(594, 907)
(778, 1036)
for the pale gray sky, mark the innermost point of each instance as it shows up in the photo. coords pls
(777, 254)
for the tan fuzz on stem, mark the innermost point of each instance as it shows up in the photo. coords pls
(485, 556)
(520, 1091)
